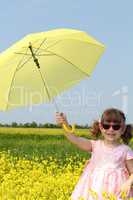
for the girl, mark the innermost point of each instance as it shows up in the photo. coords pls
(110, 168)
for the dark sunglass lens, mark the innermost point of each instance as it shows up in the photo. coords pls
(116, 127)
(106, 126)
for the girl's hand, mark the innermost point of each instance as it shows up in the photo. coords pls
(125, 188)
(61, 118)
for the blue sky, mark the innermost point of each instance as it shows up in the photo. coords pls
(111, 82)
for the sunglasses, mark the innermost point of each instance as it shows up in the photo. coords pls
(115, 127)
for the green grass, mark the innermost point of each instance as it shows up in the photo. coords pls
(40, 143)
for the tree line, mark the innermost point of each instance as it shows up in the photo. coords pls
(37, 125)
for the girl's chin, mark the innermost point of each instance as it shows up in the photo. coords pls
(110, 137)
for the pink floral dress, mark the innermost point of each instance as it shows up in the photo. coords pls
(105, 172)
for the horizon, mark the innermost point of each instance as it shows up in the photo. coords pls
(111, 82)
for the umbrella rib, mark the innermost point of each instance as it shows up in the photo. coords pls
(23, 59)
(10, 88)
(51, 45)
(40, 45)
(23, 63)
(47, 90)
(68, 61)
(25, 54)
(35, 54)
(13, 79)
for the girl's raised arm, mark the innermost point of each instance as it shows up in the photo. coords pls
(80, 142)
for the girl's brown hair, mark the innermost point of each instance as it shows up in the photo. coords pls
(114, 115)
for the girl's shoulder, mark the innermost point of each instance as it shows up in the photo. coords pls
(127, 147)
(128, 152)
(95, 143)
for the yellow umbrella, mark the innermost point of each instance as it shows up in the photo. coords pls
(40, 66)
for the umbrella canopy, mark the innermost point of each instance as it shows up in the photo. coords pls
(40, 66)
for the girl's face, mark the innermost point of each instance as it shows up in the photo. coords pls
(112, 131)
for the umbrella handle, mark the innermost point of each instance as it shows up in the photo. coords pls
(68, 128)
